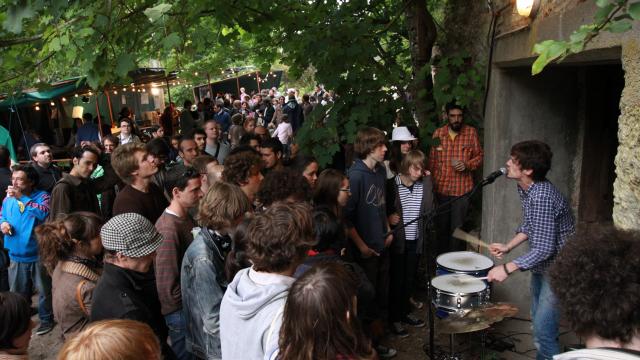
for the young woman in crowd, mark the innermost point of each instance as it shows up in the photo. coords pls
(113, 339)
(332, 190)
(15, 332)
(308, 167)
(409, 194)
(401, 144)
(70, 249)
(320, 318)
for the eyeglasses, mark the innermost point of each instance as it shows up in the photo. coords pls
(346, 190)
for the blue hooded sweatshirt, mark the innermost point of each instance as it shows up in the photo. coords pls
(366, 208)
(24, 215)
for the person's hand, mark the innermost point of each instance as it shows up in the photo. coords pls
(459, 166)
(388, 240)
(497, 274)
(5, 227)
(368, 252)
(498, 250)
(394, 219)
(13, 191)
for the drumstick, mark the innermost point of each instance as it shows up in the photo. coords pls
(459, 234)
(470, 278)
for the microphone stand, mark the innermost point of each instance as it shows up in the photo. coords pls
(429, 216)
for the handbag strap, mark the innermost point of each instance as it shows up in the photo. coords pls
(79, 296)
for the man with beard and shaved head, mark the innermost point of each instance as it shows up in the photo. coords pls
(452, 163)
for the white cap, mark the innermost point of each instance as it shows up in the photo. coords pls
(401, 133)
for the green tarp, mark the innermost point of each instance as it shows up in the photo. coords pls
(30, 98)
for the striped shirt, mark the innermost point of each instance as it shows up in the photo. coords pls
(410, 200)
(464, 147)
(547, 221)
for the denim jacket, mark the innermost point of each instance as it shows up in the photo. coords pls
(203, 284)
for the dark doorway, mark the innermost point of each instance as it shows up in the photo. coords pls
(603, 87)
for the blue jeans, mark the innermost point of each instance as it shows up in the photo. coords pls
(545, 315)
(22, 277)
(176, 324)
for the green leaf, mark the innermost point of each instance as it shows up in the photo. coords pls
(125, 64)
(634, 11)
(603, 13)
(602, 3)
(171, 41)
(157, 11)
(618, 26)
(86, 32)
(54, 44)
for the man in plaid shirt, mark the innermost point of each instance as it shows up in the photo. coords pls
(452, 163)
(546, 223)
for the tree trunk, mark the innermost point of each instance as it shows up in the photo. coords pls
(422, 35)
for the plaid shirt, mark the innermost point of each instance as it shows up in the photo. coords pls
(465, 147)
(547, 221)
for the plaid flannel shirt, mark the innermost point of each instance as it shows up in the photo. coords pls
(547, 221)
(465, 147)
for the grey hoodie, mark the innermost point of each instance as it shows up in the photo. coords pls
(251, 314)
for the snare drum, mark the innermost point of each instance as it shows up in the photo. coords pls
(453, 292)
(463, 262)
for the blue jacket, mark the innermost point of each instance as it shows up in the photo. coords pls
(203, 284)
(22, 244)
(366, 208)
(224, 119)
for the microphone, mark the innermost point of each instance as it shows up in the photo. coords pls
(494, 175)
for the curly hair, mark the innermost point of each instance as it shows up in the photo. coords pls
(319, 319)
(57, 240)
(533, 155)
(239, 166)
(282, 185)
(597, 283)
(280, 236)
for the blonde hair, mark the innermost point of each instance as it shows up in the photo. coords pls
(113, 339)
(412, 158)
(222, 204)
(124, 161)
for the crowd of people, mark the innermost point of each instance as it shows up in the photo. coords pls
(218, 239)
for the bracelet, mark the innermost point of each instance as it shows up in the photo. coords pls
(504, 266)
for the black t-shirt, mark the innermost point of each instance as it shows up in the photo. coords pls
(150, 204)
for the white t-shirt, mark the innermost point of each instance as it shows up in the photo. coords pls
(284, 131)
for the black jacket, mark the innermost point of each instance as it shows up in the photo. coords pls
(48, 177)
(127, 294)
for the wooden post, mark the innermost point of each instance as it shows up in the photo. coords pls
(258, 81)
(166, 79)
(98, 111)
(106, 92)
(210, 90)
(238, 84)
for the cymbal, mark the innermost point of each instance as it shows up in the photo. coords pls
(457, 325)
(476, 319)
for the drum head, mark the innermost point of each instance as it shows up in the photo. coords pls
(465, 261)
(458, 284)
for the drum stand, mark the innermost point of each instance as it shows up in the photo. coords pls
(429, 216)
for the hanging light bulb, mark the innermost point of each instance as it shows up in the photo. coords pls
(124, 89)
(76, 95)
(52, 103)
(195, 73)
(115, 92)
(90, 93)
(64, 99)
(144, 90)
(37, 108)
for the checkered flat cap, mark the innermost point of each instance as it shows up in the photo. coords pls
(130, 234)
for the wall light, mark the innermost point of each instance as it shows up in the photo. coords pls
(527, 8)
